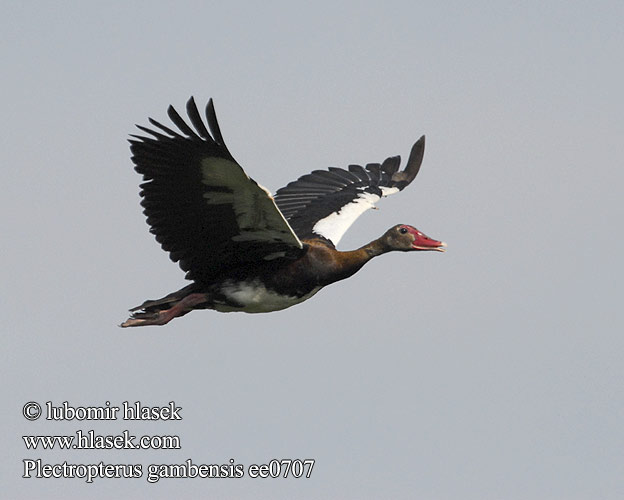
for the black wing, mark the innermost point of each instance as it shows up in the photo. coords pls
(203, 208)
(326, 202)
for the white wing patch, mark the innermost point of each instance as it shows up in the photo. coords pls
(387, 191)
(335, 225)
(257, 215)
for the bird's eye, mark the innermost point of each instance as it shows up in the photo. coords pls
(403, 230)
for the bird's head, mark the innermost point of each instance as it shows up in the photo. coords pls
(407, 238)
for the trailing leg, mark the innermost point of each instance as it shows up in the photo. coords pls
(163, 316)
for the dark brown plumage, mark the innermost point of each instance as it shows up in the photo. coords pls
(243, 249)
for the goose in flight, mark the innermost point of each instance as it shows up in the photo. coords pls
(241, 248)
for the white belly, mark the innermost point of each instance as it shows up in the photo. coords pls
(255, 298)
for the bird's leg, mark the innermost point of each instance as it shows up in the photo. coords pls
(163, 317)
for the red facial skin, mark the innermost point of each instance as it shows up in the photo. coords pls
(423, 242)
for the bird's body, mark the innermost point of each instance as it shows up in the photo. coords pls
(243, 249)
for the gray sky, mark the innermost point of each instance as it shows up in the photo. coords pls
(493, 371)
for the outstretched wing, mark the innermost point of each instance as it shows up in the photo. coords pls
(326, 202)
(203, 208)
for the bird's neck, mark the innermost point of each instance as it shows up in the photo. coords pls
(373, 249)
(352, 261)
(324, 264)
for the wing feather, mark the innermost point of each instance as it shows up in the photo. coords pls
(200, 204)
(325, 203)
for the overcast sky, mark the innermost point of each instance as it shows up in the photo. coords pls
(493, 371)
